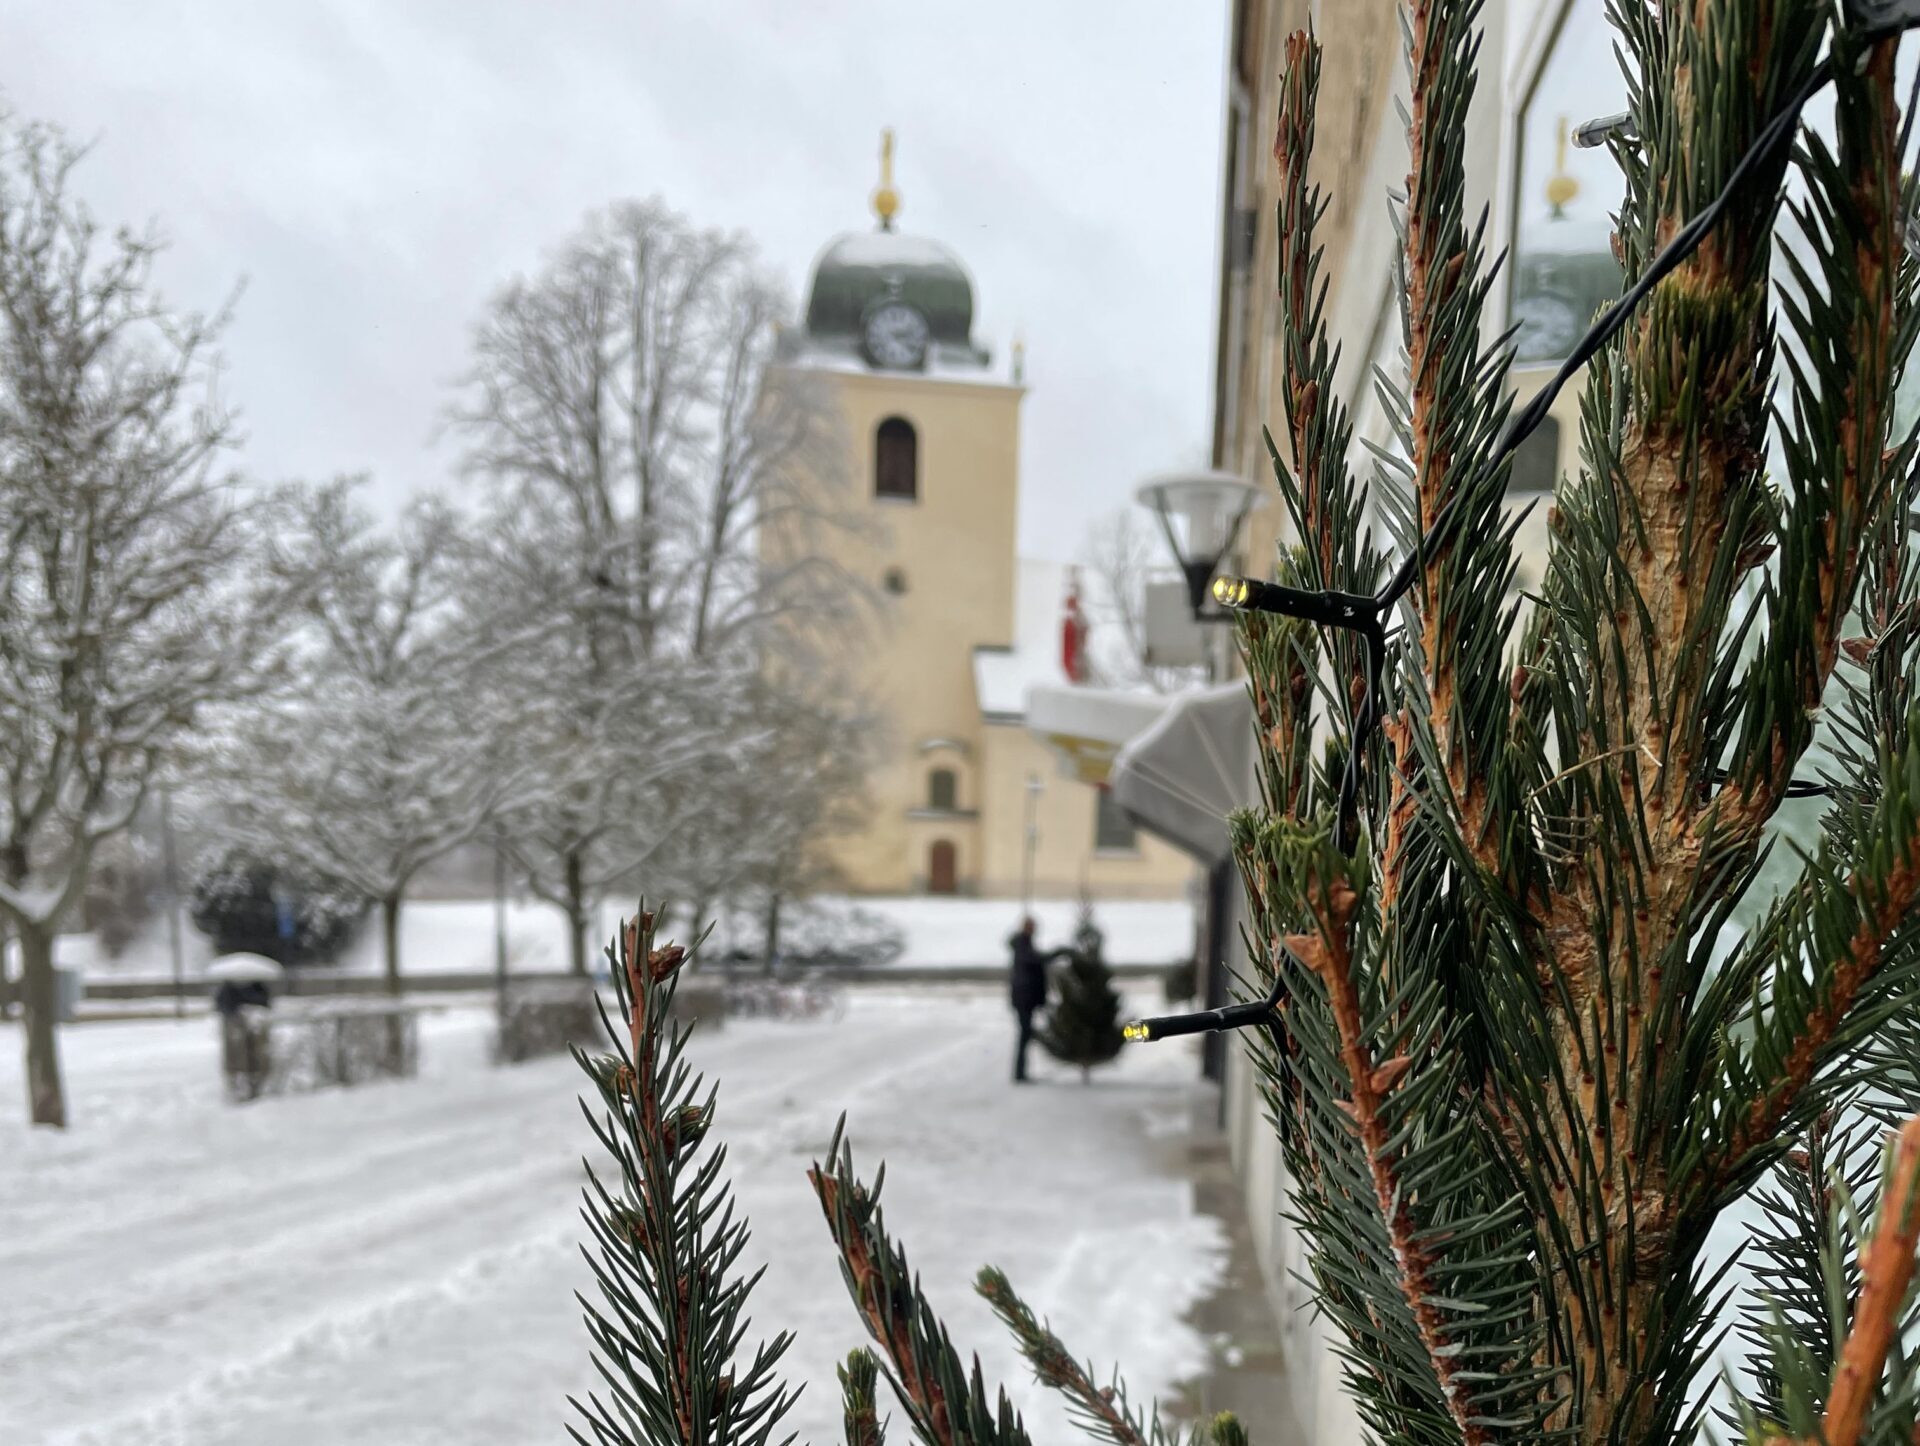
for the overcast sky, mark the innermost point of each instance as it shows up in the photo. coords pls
(374, 169)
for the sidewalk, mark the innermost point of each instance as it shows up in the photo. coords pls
(1246, 1371)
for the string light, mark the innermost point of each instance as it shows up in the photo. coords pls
(1366, 614)
(1205, 1021)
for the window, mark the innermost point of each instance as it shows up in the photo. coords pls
(1536, 461)
(942, 789)
(896, 460)
(894, 580)
(1112, 829)
(1563, 266)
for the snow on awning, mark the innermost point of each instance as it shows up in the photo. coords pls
(1087, 727)
(1181, 777)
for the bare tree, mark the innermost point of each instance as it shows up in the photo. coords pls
(123, 610)
(376, 761)
(622, 404)
(1121, 557)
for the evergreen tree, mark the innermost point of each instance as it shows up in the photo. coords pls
(1520, 1057)
(1498, 851)
(1083, 1023)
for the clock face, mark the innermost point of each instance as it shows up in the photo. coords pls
(896, 335)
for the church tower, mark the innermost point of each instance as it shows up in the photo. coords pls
(933, 438)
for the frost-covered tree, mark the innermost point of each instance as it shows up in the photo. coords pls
(125, 611)
(1122, 555)
(783, 790)
(622, 405)
(379, 756)
(611, 746)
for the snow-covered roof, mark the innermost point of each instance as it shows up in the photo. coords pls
(890, 248)
(945, 362)
(1087, 727)
(1003, 676)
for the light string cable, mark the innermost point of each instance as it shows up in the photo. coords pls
(1366, 613)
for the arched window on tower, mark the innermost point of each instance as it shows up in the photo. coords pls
(943, 790)
(896, 460)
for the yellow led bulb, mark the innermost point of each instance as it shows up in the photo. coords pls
(1230, 592)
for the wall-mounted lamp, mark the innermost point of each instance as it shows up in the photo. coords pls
(1200, 514)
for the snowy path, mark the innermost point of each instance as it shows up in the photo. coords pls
(395, 1264)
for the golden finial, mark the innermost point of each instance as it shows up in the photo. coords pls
(1561, 187)
(886, 200)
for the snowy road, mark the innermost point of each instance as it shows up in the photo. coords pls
(395, 1264)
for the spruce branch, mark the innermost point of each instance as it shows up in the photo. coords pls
(1452, 417)
(1886, 1270)
(1324, 503)
(672, 1316)
(1419, 1251)
(947, 1405)
(858, 1379)
(1844, 312)
(1842, 1390)
(1847, 927)
(1319, 429)
(1099, 1410)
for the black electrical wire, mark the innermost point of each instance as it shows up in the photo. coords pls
(1366, 614)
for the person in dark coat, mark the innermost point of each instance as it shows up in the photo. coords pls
(1029, 980)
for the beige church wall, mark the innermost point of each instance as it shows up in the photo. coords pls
(1065, 859)
(874, 859)
(954, 545)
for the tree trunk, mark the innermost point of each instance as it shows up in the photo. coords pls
(46, 1098)
(390, 939)
(773, 930)
(576, 914)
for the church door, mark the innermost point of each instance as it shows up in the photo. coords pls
(942, 870)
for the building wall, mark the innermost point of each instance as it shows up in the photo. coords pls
(1066, 862)
(954, 546)
(1360, 73)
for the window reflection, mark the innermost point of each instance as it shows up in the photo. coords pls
(1564, 269)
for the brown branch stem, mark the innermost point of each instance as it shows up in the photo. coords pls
(1328, 955)
(1864, 954)
(1886, 1270)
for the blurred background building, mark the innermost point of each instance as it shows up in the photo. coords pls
(966, 799)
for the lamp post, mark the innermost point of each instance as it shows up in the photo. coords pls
(1200, 514)
(1034, 789)
(171, 875)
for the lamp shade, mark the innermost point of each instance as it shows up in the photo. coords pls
(1202, 510)
(1200, 513)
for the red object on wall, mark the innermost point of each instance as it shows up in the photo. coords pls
(1073, 633)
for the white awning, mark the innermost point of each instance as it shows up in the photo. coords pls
(1180, 778)
(1087, 727)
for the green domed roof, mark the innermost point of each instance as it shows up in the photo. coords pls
(860, 268)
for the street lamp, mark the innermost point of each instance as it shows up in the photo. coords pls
(1034, 789)
(1200, 514)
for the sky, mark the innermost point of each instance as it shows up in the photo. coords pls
(371, 171)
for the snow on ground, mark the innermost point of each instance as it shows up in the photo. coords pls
(394, 1264)
(457, 936)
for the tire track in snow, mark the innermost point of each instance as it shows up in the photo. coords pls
(471, 1221)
